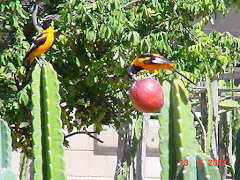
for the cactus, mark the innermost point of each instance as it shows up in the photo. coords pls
(47, 126)
(6, 153)
(237, 163)
(178, 145)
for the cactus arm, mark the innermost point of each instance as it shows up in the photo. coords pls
(181, 118)
(237, 163)
(47, 125)
(163, 131)
(6, 152)
(177, 133)
(6, 142)
(37, 133)
(180, 151)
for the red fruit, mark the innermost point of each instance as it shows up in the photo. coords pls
(147, 95)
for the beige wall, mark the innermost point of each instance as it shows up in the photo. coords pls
(88, 159)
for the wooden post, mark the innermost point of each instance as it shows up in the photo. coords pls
(124, 144)
(204, 114)
(222, 151)
(215, 140)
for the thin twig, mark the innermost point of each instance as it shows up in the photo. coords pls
(34, 16)
(5, 43)
(87, 133)
(130, 3)
(17, 82)
(78, 132)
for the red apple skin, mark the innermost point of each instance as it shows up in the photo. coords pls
(147, 95)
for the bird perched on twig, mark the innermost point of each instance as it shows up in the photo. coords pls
(152, 63)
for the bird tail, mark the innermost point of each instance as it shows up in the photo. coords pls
(25, 79)
(183, 76)
(24, 82)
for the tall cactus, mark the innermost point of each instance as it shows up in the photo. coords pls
(237, 163)
(6, 152)
(47, 126)
(180, 151)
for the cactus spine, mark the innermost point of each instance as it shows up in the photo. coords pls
(47, 126)
(6, 152)
(180, 151)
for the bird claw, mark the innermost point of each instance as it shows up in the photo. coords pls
(41, 61)
(152, 75)
(134, 77)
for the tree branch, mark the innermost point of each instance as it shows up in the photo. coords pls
(34, 16)
(87, 133)
(5, 43)
(130, 3)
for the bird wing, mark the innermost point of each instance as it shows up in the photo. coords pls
(157, 59)
(40, 40)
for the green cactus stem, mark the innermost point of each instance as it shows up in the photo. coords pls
(47, 126)
(6, 152)
(182, 133)
(237, 163)
(178, 145)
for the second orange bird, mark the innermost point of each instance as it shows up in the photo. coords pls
(152, 63)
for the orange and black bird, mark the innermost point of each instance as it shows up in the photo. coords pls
(41, 44)
(152, 63)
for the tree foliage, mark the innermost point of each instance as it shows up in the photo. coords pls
(96, 41)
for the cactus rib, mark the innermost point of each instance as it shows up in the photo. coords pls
(47, 125)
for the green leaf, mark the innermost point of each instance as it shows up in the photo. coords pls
(69, 18)
(77, 62)
(102, 31)
(90, 35)
(206, 2)
(24, 99)
(136, 38)
(62, 38)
